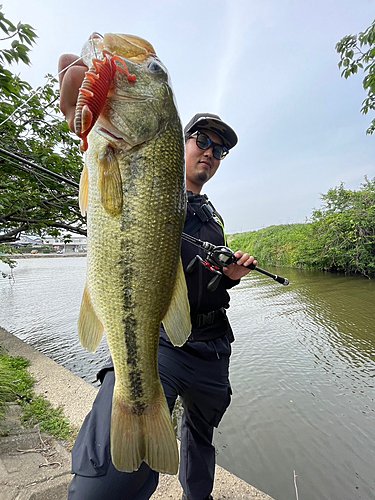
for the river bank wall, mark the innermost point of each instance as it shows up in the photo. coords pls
(62, 388)
(16, 256)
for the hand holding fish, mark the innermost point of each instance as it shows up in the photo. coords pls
(238, 270)
(70, 82)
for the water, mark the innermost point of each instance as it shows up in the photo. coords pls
(302, 372)
(41, 307)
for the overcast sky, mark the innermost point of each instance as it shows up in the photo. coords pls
(267, 67)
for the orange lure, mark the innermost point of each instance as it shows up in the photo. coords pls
(93, 94)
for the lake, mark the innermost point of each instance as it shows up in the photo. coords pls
(302, 371)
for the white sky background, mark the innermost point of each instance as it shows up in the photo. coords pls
(267, 67)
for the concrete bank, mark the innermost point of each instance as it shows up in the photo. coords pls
(34, 467)
(16, 256)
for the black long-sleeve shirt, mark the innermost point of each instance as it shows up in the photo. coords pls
(202, 301)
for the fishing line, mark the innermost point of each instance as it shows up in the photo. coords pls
(39, 89)
(91, 39)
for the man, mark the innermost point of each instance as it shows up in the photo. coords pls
(197, 371)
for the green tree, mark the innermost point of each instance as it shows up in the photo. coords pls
(340, 235)
(358, 52)
(345, 228)
(32, 128)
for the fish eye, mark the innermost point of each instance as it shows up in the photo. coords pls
(154, 67)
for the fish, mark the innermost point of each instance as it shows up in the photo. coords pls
(132, 189)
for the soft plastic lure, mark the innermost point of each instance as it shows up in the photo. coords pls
(93, 93)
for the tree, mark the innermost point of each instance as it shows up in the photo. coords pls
(34, 132)
(344, 227)
(358, 51)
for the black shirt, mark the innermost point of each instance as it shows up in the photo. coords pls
(202, 301)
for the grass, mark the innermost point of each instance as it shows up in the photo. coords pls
(17, 386)
(16, 382)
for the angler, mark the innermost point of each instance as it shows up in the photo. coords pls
(199, 370)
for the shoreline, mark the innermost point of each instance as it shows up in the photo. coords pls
(42, 255)
(76, 398)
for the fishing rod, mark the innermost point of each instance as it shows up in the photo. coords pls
(218, 257)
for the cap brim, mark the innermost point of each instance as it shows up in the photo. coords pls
(216, 125)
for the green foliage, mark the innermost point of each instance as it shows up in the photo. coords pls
(51, 420)
(33, 128)
(358, 52)
(17, 385)
(276, 245)
(345, 226)
(23, 37)
(339, 237)
(15, 380)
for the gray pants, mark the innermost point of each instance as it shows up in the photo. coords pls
(198, 372)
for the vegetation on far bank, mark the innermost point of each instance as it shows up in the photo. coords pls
(339, 237)
(17, 386)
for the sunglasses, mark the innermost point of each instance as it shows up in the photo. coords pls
(204, 142)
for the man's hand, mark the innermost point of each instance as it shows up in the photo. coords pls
(70, 82)
(238, 270)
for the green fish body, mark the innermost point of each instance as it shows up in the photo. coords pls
(133, 189)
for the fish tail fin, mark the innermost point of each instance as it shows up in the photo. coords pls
(143, 434)
(160, 439)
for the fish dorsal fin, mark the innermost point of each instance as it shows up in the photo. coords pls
(90, 329)
(84, 191)
(110, 183)
(177, 321)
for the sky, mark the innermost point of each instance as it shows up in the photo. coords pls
(269, 68)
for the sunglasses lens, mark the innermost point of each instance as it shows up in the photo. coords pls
(219, 152)
(203, 142)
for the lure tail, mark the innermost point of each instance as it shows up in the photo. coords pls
(93, 94)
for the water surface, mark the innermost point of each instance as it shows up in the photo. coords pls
(302, 372)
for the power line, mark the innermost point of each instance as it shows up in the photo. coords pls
(39, 168)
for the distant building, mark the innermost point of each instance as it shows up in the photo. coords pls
(26, 239)
(77, 243)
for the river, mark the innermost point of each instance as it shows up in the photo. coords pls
(302, 372)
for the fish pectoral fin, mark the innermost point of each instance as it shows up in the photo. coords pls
(110, 183)
(143, 434)
(90, 329)
(177, 322)
(84, 190)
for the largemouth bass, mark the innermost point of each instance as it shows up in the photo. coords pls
(133, 190)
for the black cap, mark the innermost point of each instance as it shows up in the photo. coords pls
(215, 124)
